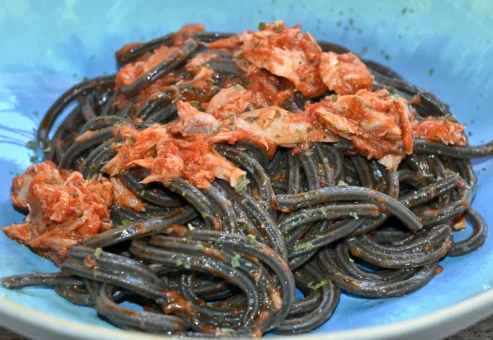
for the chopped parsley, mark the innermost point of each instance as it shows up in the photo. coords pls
(179, 262)
(396, 97)
(389, 88)
(48, 149)
(131, 140)
(333, 98)
(242, 183)
(309, 152)
(341, 183)
(354, 215)
(239, 87)
(262, 26)
(32, 145)
(191, 227)
(235, 260)
(303, 246)
(317, 286)
(199, 246)
(126, 223)
(75, 194)
(251, 238)
(450, 117)
(195, 104)
(98, 252)
(231, 116)
(250, 119)
(216, 129)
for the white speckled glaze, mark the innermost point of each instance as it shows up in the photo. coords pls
(47, 46)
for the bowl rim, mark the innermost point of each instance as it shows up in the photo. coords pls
(29, 322)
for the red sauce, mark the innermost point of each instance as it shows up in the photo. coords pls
(63, 209)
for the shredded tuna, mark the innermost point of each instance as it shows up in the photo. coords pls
(440, 130)
(63, 209)
(344, 73)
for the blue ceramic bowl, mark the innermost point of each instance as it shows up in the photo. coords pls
(443, 46)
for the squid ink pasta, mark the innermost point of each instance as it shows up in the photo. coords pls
(215, 174)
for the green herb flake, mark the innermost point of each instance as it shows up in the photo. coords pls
(262, 26)
(195, 104)
(309, 152)
(333, 99)
(251, 238)
(235, 260)
(179, 262)
(317, 236)
(232, 127)
(250, 119)
(451, 118)
(48, 149)
(191, 227)
(187, 265)
(227, 330)
(317, 286)
(303, 246)
(131, 140)
(231, 116)
(75, 194)
(354, 215)
(341, 183)
(216, 129)
(242, 183)
(396, 97)
(306, 196)
(98, 252)
(199, 246)
(126, 223)
(389, 88)
(239, 87)
(33, 159)
(32, 145)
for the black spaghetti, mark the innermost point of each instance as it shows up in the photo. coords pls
(218, 259)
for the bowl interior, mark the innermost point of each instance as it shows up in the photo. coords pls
(443, 46)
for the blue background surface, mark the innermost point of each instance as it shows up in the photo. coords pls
(47, 46)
